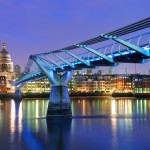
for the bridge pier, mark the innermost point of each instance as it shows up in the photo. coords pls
(18, 93)
(59, 103)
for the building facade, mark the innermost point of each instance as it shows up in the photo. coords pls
(6, 68)
(39, 86)
(3, 88)
(87, 83)
(141, 83)
(6, 65)
(122, 83)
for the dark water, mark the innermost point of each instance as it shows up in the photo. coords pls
(98, 124)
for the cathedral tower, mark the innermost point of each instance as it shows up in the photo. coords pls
(5, 60)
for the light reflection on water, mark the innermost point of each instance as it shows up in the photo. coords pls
(119, 124)
(112, 107)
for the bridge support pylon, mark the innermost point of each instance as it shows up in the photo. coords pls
(59, 103)
(18, 94)
(62, 107)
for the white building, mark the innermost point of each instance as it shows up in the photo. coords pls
(6, 67)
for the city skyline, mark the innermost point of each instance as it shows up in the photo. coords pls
(44, 26)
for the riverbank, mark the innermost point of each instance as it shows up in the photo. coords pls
(138, 95)
(46, 95)
(123, 95)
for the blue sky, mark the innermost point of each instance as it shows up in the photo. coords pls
(34, 26)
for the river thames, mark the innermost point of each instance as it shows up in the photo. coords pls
(99, 123)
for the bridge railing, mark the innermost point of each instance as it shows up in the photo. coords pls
(110, 49)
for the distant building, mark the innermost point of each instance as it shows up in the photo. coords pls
(122, 83)
(89, 71)
(17, 69)
(3, 88)
(88, 83)
(141, 83)
(6, 67)
(39, 86)
(78, 72)
(125, 71)
(5, 60)
(108, 86)
(109, 83)
(111, 71)
(99, 72)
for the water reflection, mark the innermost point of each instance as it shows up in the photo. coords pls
(114, 107)
(15, 118)
(34, 108)
(58, 134)
(121, 124)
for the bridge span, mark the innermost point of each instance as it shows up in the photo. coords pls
(58, 65)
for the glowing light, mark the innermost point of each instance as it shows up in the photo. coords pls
(113, 107)
(37, 109)
(117, 54)
(13, 87)
(12, 119)
(20, 118)
(83, 107)
(146, 47)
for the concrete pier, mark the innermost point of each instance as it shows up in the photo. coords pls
(59, 103)
(18, 94)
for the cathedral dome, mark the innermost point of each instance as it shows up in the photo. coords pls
(4, 55)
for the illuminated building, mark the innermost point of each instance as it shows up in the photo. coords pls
(39, 86)
(92, 83)
(3, 84)
(141, 83)
(6, 67)
(109, 83)
(107, 79)
(71, 85)
(17, 69)
(103, 83)
(122, 83)
(88, 86)
(5, 60)
(86, 83)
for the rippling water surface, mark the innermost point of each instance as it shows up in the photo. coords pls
(99, 123)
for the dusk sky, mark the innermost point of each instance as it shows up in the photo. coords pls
(35, 26)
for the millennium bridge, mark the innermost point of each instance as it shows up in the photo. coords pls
(129, 44)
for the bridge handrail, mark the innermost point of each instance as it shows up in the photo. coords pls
(110, 45)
